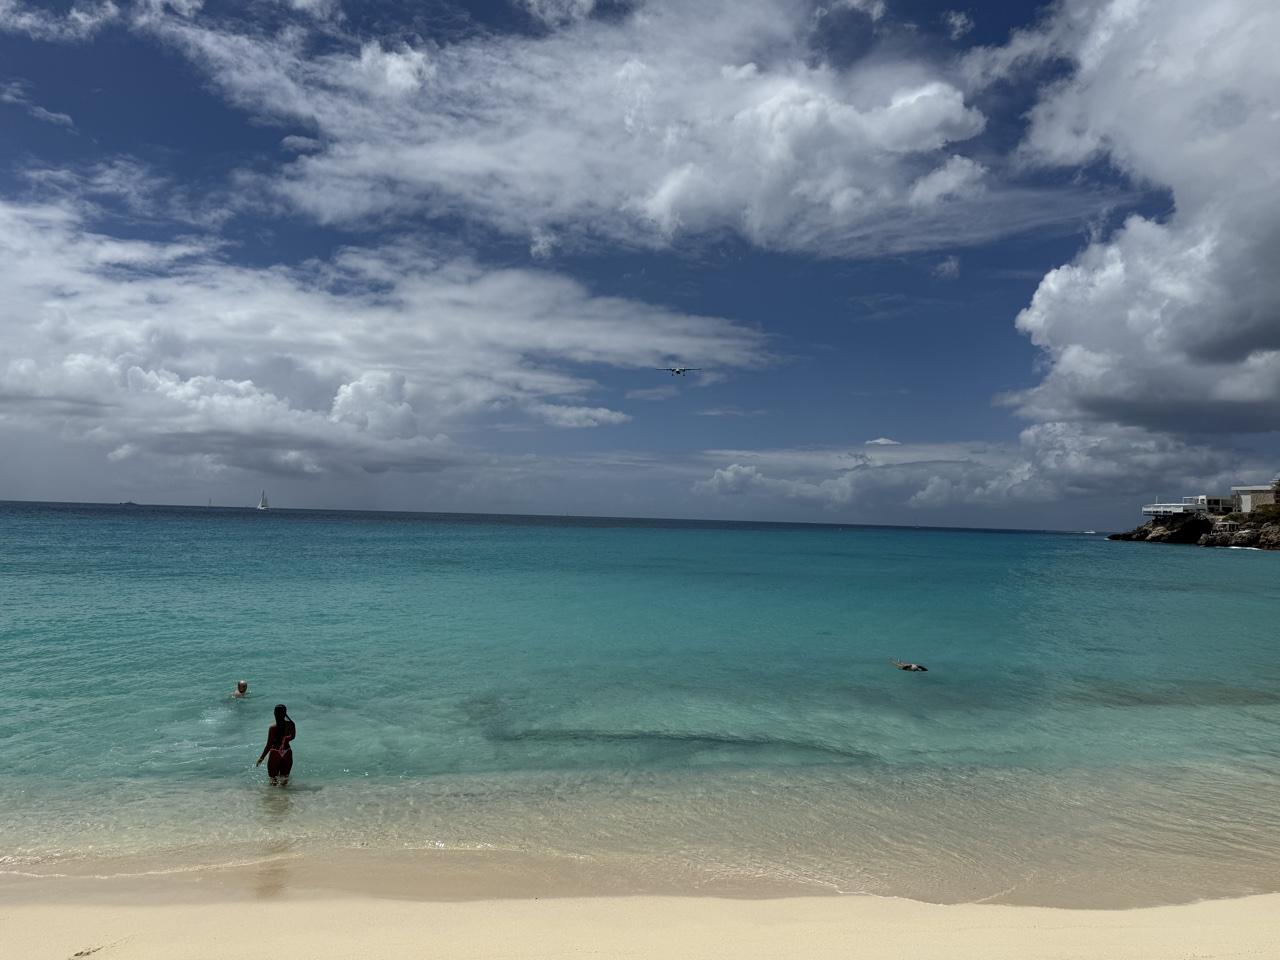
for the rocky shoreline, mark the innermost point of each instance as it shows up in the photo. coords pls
(1260, 532)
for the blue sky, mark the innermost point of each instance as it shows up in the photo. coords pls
(428, 256)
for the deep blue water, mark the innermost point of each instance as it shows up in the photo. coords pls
(708, 698)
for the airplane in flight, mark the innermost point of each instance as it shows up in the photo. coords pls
(677, 371)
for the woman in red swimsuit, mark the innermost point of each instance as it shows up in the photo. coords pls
(277, 753)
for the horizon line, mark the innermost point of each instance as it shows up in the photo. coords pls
(545, 516)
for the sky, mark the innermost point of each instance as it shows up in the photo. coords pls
(992, 264)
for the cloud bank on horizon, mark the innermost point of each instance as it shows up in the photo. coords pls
(446, 322)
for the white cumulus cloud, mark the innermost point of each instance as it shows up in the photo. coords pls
(678, 120)
(1170, 323)
(80, 21)
(369, 360)
(948, 268)
(560, 415)
(1049, 462)
(958, 23)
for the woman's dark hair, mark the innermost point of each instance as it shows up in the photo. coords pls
(282, 713)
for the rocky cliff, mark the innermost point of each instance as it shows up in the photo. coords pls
(1265, 536)
(1261, 532)
(1179, 528)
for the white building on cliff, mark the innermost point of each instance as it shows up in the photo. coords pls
(1246, 498)
(1201, 503)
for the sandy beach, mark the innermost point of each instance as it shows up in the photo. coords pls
(868, 928)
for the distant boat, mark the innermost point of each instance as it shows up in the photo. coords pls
(1091, 531)
(262, 504)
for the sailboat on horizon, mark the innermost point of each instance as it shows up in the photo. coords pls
(262, 503)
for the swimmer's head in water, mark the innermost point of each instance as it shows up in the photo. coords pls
(242, 686)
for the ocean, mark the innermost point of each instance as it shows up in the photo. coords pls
(690, 704)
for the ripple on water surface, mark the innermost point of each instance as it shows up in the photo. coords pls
(691, 704)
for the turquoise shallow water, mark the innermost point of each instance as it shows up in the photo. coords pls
(1100, 723)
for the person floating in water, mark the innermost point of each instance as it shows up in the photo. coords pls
(277, 752)
(241, 690)
(913, 667)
